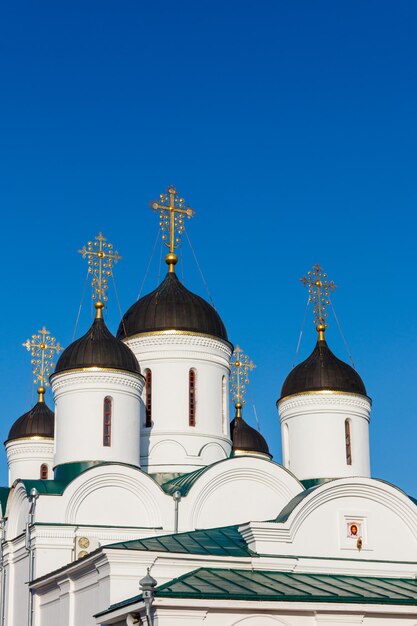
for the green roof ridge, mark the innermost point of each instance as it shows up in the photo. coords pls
(4, 494)
(184, 482)
(315, 482)
(65, 473)
(292, 504)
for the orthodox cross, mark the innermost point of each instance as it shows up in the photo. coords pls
(171, 215)
(319, 288)
(100, 257)
(240, 366)
(42, 348)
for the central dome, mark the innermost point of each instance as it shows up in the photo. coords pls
(171, 307)
(323, 371)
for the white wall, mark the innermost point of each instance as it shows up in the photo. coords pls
(171, 444)
(79, 398)
(313, 434)
(25, 457)
(236, 490)
(317, 526)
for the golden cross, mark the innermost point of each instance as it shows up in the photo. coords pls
(171, 214)
(319, 288)
(42, 348)
(240, 366)
(100, 257)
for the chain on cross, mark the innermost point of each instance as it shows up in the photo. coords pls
(319, 288)
(240, 366)
(172, 212)
(101, 258)
(43, 348)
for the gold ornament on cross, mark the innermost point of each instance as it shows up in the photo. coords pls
(172, 212)
(42, 347)
(240, 366)
(319, 288)
(101, 258)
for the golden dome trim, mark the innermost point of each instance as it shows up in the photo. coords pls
(174, 331)
(93, 369)
(30, 438)
(238, 452)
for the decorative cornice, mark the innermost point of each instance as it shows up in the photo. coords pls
(30, 449)
(335, 399)
(179, 338)
(323, 392)
(97, 375)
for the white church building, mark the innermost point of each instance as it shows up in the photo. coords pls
(137, 501)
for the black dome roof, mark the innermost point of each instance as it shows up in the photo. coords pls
(38, 422)
(322, 370)
(171, 307)
(247, 439)
(98, 348)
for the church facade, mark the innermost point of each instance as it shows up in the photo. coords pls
(138, 501)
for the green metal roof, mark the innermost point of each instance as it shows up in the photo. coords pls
(4, 494)
(236, 584)
(184, 482)
(292, 504)
(225, 541)
(315, 482)
(64, 474)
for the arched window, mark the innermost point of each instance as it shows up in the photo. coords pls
(348, 443)
(148, 398)
(107, 416)
(224, 405)
(286, 445)
(192, 397)
(44, 472)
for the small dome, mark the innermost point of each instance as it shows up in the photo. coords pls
(171, 307)
(38, 422)
(98, 348)
(323, 371)
(247, 439)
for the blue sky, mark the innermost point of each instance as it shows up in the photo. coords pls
(289, 126)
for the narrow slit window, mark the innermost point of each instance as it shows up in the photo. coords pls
(286, 446)
(107, 418)
(44, 472)
(148, 398)
(191, 397)
(348, 442)
(224, 405)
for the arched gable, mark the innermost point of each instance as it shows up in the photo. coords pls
(237, 489)
(115, 496)
(320, 521)
(17, 510)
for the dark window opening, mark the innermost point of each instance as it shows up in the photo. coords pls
(348, 443)
(192, 397)
(148, 398)
(107, 416)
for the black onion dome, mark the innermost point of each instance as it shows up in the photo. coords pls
(38, 422)
(247, 439)
(171, 307)
(98, 348)
(322, 370)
